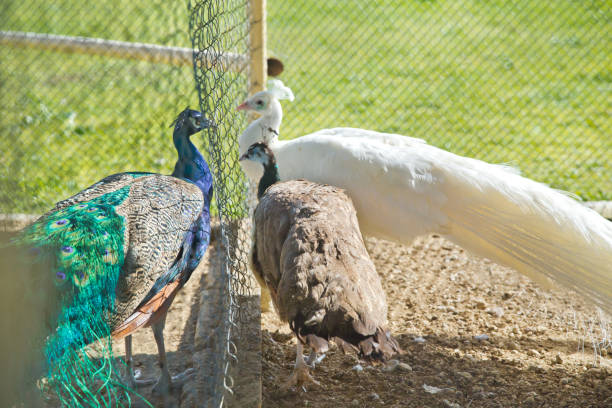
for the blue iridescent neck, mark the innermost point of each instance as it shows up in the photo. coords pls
(191, 164)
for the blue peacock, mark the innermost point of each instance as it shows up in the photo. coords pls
(112, 258)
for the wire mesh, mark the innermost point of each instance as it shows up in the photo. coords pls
(524, 82)
(219, 27)
(68, 119)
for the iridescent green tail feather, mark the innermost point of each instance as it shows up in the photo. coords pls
(84, 245)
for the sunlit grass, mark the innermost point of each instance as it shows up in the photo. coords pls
(527, 84)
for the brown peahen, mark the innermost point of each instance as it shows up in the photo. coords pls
(309, 253)
(111, 259)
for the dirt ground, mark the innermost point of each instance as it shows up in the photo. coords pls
(179, 342)
(474, 334)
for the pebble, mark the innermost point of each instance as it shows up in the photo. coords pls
(450, 404)
(419, 339)
(374, 396)
(536, 369)
(495, 311)
(558, 359)
(483, 394)
(431, 389)
(358, 368)
(510, 345)
(566, 380)
(355, 403)
(393, 365)
(465, 375)
(404, 367)
(480, 304)
(481, 337)
(533, 353)
(529, 401)
(435, 390)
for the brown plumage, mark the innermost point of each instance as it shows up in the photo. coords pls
(309, 253)
(149, 313)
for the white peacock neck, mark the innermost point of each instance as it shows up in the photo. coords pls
(263, 130)
(270, 122)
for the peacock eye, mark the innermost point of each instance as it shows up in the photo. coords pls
(259, 103)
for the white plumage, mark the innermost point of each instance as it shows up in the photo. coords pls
(402, 188)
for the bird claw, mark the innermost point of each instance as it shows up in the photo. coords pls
(313, 359)
(299, 378)
(134, 381)
(182, 378)
(166, 383)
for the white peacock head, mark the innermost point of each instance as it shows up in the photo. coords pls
(263, 102)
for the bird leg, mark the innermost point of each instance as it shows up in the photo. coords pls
(165, 381)
(313, 359)
(265, 299)
(300, 375)
(131, 380)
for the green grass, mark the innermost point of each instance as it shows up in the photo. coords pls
(527, 84)
(66, 121)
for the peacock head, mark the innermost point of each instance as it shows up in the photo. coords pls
(191, 121)
(265, 102)
(260, 153)
(261, 103)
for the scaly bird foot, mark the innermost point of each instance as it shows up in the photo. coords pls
(299, 378)
(313, 359)
(134, 381)
(166, 383)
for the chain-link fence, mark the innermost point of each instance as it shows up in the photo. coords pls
(91, 90)
(526, 82)
(219, 30)
(69, 117)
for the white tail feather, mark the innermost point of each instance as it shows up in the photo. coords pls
(403, 190)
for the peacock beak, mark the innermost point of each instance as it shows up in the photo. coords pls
(243, 106)
(207, 123)
(243, 157)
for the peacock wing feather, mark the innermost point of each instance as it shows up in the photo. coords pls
(95, 253)
(106, 185)
(166, 208)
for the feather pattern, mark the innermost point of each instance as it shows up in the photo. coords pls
(117, 252)
(402, 188)
(309, 253)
